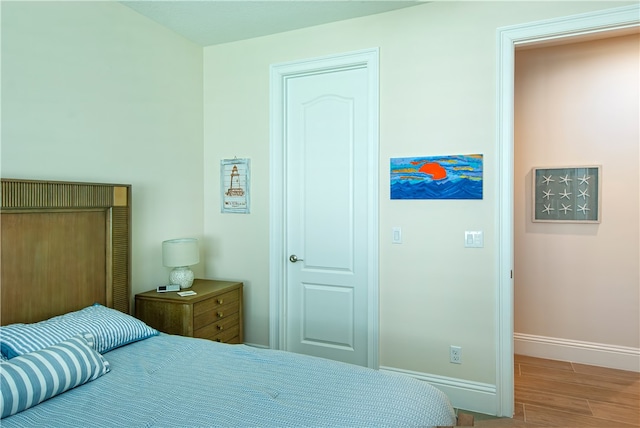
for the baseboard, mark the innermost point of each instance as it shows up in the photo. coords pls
(596, 354)
(255, 345)
(463, 394)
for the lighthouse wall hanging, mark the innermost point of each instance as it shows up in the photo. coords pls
(234, 183)
(437, 177)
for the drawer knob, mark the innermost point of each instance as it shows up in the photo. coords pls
(220, 327)
(220, 301)
(218, 340)
(220, 314)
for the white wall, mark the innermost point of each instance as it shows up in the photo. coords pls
(94, 92)
(438, 96)
(578, 104)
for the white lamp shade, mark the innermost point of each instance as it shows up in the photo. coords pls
(180, 252)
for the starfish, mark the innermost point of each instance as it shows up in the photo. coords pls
(584, 179)
(583, 194)
(565, 179)
(547, 209)
(547, 180)
(565, 194)
(547, 194)
(583, 208)
(566, 208)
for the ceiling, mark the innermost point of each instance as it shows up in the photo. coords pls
(211, 22)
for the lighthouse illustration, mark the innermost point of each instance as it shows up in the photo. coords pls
(235, 179)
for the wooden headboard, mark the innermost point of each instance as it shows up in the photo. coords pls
(64, 246)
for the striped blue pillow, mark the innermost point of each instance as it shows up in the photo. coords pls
(111, 329)
(30, 379)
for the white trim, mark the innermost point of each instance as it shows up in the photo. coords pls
(507, 39)
(373, 66)
(279, 73)
(463, 394)
(576, 351)
(276, 209)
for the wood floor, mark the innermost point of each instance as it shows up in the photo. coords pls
(562, 394)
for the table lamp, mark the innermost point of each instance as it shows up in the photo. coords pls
(180, 254)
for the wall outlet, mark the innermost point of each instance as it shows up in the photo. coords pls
(455, 354)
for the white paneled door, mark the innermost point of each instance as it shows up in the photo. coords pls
(327, 299)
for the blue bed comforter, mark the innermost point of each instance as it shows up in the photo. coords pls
(173, 381)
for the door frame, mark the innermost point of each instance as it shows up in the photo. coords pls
(508, 38)
(279, 74)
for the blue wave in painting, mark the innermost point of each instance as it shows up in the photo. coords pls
(458, 189)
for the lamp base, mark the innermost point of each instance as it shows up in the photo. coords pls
(182, 276)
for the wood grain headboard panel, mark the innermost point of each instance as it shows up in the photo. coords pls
(64, 246)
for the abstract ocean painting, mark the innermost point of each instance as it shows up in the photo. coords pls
(437, 177)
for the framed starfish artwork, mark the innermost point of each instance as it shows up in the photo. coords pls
(567, 194)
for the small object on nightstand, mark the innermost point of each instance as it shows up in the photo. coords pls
(187, 293)
(167, 288)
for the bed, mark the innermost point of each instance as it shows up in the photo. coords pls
(73, 356)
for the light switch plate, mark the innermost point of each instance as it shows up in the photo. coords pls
(473, 239)
(396, 235)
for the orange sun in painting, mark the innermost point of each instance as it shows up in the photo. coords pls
(434, 169)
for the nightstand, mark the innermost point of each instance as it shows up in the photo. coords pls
(214, 313)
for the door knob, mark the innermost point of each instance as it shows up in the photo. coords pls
(293, 258)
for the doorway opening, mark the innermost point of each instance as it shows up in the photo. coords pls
(592, 24)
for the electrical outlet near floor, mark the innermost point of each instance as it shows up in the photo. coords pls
(455, 354)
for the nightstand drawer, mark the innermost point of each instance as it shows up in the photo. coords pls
(220, 331)
(215, 302)
(214, 314)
